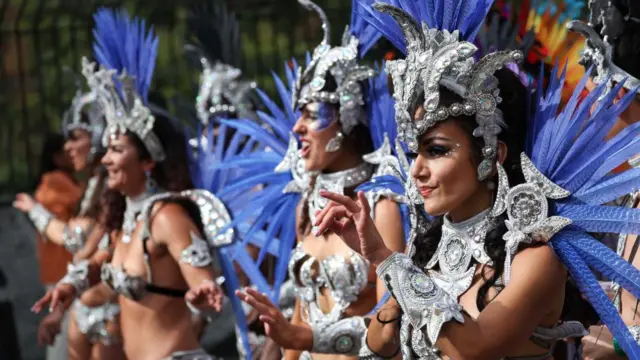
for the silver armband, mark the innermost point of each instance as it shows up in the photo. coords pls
(198, 253)
(104, 243)
(341, 337)
(40, 217)
(365, 352)
(77, 276)
(73, 239)
(424, 303)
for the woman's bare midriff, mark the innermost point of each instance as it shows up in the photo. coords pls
(156, 327)
(321, 248)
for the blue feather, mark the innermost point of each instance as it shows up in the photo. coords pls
(591, 289)
(123, 44)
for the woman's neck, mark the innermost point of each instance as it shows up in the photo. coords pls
(474, 205)
(347, 160)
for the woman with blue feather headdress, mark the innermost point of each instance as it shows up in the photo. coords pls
(162, 233)
(612, 49)
(514, 195)
(341, 111)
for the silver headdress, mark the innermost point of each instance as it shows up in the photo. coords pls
(599, 47)
(215, 43)
(222, 92)
(340, 62)
(85, 113)
(438, 58)
(124, 109)
(130, 50)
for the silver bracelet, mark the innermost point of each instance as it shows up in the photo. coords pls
(77, 276)
(341, 337)
(208, 314)
(40, 217)
(73, 240)
(421, 300)
(198, 253)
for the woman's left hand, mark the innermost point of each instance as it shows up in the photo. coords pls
(351, 221)
(285, 334)
(207, 296)
(24, 202)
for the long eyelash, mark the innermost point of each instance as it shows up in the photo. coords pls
(412, 155)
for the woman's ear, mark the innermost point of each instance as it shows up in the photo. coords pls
(502, 152)
(148, 165)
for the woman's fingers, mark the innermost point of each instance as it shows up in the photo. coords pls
(329, 219)
(344, 200)
(364, 203)
(260, 307)
(37, 307)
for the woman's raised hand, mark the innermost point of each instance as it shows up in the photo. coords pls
(350, 219)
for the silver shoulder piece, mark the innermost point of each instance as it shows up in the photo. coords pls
(341, 337)
(198, 253)
(77, 276)
(40, 217)
(527, 210)
(213, 214)
(73, 239)
(424, 303)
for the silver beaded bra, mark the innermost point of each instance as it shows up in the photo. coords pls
(344, 277)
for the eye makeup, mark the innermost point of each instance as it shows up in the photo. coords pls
(321, 115)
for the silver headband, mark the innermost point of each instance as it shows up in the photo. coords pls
(84, 103)
(341, 63)
(123, 108)
(222, 92)
(438, 58)
(598, 51)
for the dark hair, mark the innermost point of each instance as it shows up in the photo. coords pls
(172, 174)
(516, 109)
(53, 145)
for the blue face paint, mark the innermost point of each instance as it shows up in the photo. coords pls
(322, 115)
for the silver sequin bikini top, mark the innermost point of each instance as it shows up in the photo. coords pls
(344, 277)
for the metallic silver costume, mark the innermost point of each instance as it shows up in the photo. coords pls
(92, 321)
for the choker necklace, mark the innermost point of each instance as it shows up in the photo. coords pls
(336, 183)
(459, 244)
(133, 212)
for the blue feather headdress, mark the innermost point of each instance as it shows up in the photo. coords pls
(466, 16)
(127, 55)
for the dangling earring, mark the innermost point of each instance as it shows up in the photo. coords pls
(500, 204)
(92, 155)
(335, 143)
(491, 185)
(151, 184)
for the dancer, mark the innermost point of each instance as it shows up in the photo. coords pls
(508, 197)
(340, 110)
(160, 258)
(93, 331)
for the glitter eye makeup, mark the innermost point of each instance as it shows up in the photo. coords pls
(321, 115)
